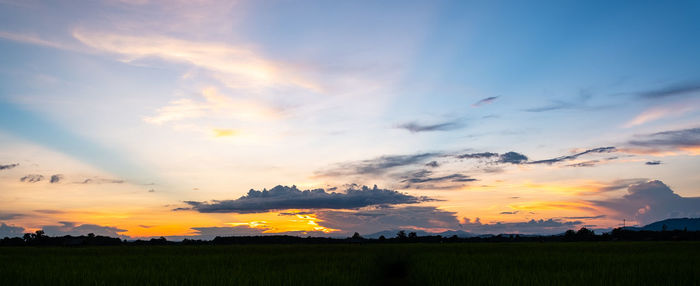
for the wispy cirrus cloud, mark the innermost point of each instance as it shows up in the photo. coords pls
(574, 156)
(687, 140)
(415, 127)
(211, 103)
(377, 166)
(282, 198)
(681, 88)
(660, 112)
(235, 66)
(485, 101)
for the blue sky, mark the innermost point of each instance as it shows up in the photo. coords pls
(143, 107)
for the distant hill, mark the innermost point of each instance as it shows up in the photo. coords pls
(691, 224)
(392, 233)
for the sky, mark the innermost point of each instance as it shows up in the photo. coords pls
(142, 118)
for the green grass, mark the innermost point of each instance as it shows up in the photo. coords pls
(603, 263)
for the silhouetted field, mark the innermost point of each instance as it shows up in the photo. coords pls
(526, 263)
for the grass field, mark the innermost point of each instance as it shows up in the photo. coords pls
(602, 263)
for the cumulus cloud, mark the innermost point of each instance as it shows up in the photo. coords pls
(70, 228)
(282, 197)
(8, 166)
(485, 101)
(541, 226)
(673, 140)
(415, 127)
(377, 166)
(370, 221)
(56, 178)
(574, 156)
(31, 178)
(10, 231)
(651, 201)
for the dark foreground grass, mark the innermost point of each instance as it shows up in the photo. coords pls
(603, 263)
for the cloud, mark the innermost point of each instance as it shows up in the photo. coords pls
(415, 127)
(8, 166)
(585, 217)
(549, 226)
(574, 156)
(509, 157)
(432, 164)
(672, 90)
(483, 155)
(450, 178)
(620, 184)
(31, 178)
(31, 39)
(660, 112)
(377, 166)
(235, 66)
(97, 180)
(485, 101)
(210, 103)
(577, 102)
(370, 221)
(512, 158)
(673, 140)
(649, 202)
(9, 216)
(422, 180)
(56, 178)
(590, 163)
(282, 197)
(10, 231)
(70, 228)
(509, 213)
(653, 163)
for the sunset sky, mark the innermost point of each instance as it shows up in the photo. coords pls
(141, 118)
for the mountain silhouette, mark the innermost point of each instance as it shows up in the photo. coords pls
(690, 224)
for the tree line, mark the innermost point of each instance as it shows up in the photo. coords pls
(39, 238)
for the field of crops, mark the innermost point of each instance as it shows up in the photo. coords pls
(583, 263)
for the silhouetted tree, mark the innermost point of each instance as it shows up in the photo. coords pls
(412, 235)
(570, 234)
(382, 238)
(401, 235)
(356, 236)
